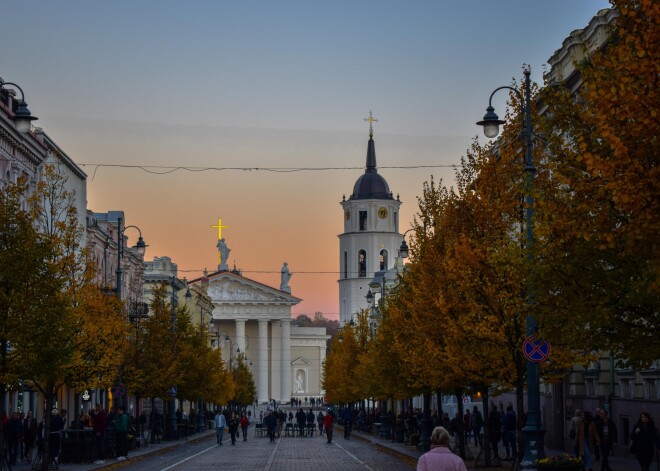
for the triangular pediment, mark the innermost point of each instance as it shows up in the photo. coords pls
(228, 288)
(300, 361)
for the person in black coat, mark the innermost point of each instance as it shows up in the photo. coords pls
(607, 434)
(301, 418)
(233, 424)
(495, 430)
(271, 425)
(644, 438)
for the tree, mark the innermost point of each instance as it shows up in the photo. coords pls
(600, 209)
(245, 390)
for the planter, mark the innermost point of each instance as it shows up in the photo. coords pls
(559, 467)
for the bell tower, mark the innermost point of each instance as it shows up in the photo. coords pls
(371, 238)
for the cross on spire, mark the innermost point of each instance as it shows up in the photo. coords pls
(371, 121)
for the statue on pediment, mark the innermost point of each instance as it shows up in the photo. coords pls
(224, 254)
(286, 276)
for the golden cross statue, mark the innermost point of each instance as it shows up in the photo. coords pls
(219, 227)
(371, 121)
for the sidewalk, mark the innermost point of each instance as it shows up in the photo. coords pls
(409, 454)
(134, 456)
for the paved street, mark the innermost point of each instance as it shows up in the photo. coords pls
(286, 453)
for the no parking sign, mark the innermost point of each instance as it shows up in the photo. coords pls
(536, 350)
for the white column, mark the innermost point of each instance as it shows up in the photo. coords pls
(240, 335)
(286, 359)
(262, 387)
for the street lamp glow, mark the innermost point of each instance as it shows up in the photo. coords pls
(491, 122)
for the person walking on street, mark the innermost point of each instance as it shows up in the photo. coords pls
(348, 422)
(607, 434)
(477, 422)
(644, 440)
(29, 436)
(440, 457)
(328, 425)
(220, 423)
(509, 426)
(233, 427)
(319, 419)
(271, 425)
(121, 430)
(301, 418)
(99, 423)
(495, 430)
(573, 428)
(245, 422)
(587, 438)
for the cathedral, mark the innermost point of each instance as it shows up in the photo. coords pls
(252, 319)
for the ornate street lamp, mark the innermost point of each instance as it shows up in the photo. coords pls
(140, 248)
(22, 116)
(533, 430)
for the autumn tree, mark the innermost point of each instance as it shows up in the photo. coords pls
(599, 211)
(245, 391)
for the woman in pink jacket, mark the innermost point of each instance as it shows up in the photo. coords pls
(440, 457)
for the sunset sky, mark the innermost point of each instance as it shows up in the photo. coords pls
(268, 85)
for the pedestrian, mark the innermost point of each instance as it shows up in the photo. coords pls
(347, 416)
(121, 432)
(467, 431)
(301, 418)
(311, 418)
(99, 424)
(220, 423)
(440, 457)
(55, 439)
(644, 440)
(495, 430)
(234, 423)
(319, 419)
(29, 436)
(328, 425)
(587, 438)
(13, 433)
(245, 422)
(607, 434)
(477, 422)
(509, 427)
(598, 423)
(290, 416)
(573, 428)
(271, 425)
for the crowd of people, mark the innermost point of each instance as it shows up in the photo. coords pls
(595, 435)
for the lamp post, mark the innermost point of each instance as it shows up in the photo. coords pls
(140, 247)
(403, 250)
(533, 430)
(200, 405)
(231, 367)
(377, 285)
(22, 116)
(171, 406)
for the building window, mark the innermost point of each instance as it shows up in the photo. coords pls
(383, 260)
(363, 220)
(396, 221)
(590, 386)
(362, 264)
(650, 389)
(625, 385)
(345, 265)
